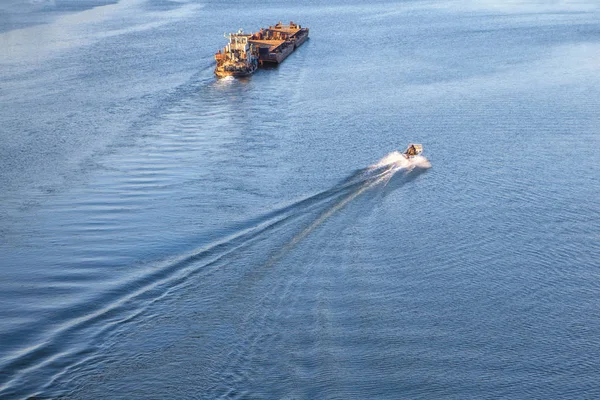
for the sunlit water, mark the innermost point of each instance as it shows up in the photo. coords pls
(164, 234)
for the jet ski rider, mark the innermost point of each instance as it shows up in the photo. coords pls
(411, 151)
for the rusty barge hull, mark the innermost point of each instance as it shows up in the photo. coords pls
(277, 42)
(272, 51)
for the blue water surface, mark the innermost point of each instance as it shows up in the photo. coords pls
(166, 234)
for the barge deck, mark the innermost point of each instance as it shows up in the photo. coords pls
(277, 42)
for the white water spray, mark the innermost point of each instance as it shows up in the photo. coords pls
(385, 170)
(398, 160)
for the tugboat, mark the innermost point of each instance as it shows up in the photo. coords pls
(239, 57)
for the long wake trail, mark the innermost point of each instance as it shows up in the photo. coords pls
(109, 311)
(369, 178)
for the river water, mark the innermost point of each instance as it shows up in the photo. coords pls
(164, 234)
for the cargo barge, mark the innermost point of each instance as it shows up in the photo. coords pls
(269, 45)
(277, 42)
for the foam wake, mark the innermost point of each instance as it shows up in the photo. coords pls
(371, 177)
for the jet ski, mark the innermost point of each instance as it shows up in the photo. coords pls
(413, 150)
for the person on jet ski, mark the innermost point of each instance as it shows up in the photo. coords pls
(411, 151)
